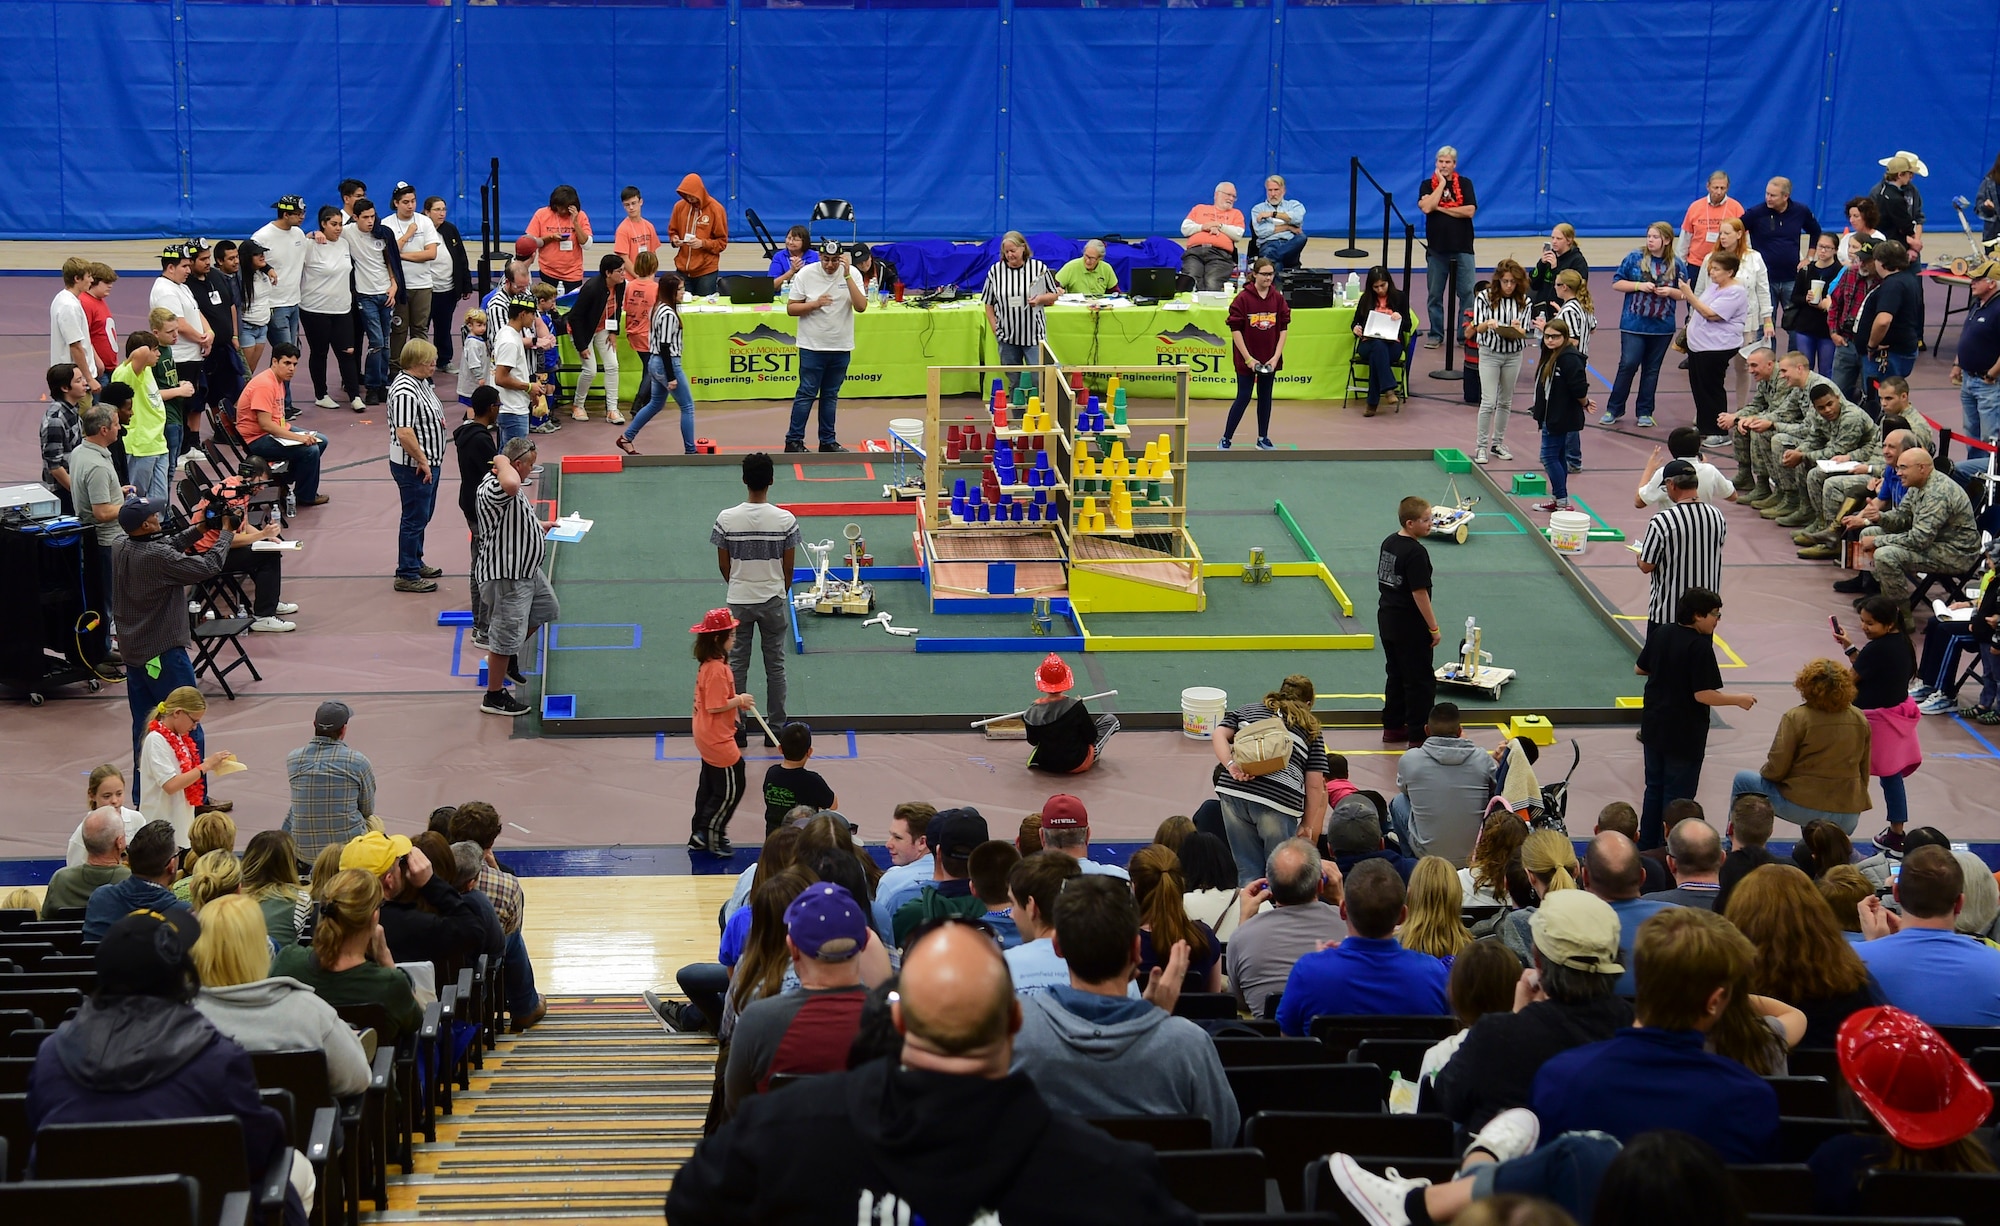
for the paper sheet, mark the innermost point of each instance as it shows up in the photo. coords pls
(1840, 466)
(1945, 613)
(229, 767)
(272, 546)
(1381, 326)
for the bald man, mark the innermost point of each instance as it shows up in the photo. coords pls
(104, 848)
(944, 1133)
(1694, 853)
(1878, 487)
(1931, 531)
(1611, 870)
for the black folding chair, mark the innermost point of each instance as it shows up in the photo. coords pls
(1773, 1187)
(1239, 1051)
(1162, 1132)
(1215, 1180)
(208, 1148)
(157, 1200)
(1290, 1139)
(1347, 1088)
(763, 234)
(1343, 1033)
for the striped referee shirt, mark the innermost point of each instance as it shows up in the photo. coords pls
(1017, 320)
(665, 335)
(510, 537)
(1684, 545)
(1507, 312)
(413, 405)
(1581, 323)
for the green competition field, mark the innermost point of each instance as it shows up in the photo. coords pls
(646, 572)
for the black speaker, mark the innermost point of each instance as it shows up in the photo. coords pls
(1307, 288)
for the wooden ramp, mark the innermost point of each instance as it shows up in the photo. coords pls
(1112, 556)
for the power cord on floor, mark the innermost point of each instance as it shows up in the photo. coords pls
(86, 622)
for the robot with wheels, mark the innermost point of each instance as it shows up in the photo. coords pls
(1454, 520)
(831, 594)
(1474, 669)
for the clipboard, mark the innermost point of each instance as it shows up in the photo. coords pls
(1382, 326)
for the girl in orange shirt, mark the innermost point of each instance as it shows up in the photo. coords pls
(716, 703)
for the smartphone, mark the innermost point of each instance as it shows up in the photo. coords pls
(1835, 623)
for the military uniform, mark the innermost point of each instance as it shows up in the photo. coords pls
(1768, 399)
(1931, 531)
(1851, 433)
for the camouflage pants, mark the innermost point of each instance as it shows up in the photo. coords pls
(1896, 566)
(1829, 492)
(1771, 455)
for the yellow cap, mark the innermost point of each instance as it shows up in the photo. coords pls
(375, 852)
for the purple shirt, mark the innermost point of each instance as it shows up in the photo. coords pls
(1732, 302)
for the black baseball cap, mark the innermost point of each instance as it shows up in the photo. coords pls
(148, 953)
(953, 833)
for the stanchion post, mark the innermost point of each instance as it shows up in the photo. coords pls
(1351, 251)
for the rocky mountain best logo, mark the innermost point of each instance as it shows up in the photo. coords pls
(763, 353)
(1201, 352)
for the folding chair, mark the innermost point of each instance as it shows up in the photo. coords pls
(1353, 1088)
(1215, 1180)
(157, 1200)
(1168, 1132)
(212, 636)
(207, 1148)
(834, 210)
(762, 234)
(1357, 367)
(1291, 1139)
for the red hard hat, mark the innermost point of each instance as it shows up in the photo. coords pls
(714, 620)
(525, 248)
(1909, 1078)
(1053, 676)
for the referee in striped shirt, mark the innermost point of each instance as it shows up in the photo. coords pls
(508, 570)
(1682, 547)
(416, 448)
(1018, 290)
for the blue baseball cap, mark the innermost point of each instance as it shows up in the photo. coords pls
(138, 511)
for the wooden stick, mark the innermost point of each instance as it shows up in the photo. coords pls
(760, 721)
(981, 723)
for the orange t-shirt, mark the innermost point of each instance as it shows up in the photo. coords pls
(1703, 221)
(557, 263)
(262, 392)
(715, 735)
(634, 237)
(642, 294)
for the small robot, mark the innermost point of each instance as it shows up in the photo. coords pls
(1454, 520)
(831, 594)
(1474, 669)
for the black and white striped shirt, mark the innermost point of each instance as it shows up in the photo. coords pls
(510, 536)
(1508, 313)
(1581, 323)
(1684, 545)
(1019, 322)
(413, 404)
(666, 331)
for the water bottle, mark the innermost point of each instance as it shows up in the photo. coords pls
(291, 502)
(1242, 259)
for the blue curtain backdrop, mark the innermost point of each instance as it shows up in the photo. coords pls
(961, 118)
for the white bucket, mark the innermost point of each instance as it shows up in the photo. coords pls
(1569, 532)
(910, 429)
(1201, 710)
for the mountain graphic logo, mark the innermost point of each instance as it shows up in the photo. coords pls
(767, 334)
(1190, 333)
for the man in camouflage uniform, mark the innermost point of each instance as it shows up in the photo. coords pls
(1931, 531)
(1837, 427)
(1878, 488)
(1787, 423)
(1768, 403)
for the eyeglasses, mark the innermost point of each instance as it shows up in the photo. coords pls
(931, 925)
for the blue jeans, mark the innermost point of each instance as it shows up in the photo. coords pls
(1669, 777)
(1819, 350)
(1895, 800)
(659, 372)
(1874, 372)
(1979, 399)
(283, 329)
(148, 474)
(146, 692)
(1555, 461)
(1749, 782)
(1381, 357)
(1639, 353)
(1254, 833)
(1283, 249)
(1847, 371)
(512, 426)
(375, 314)
(521, 995)
(304, 461)
(820, 374)
(1566, 1170)
(419, 501)
(1400, 823)
(1435, 267)
(176, 435)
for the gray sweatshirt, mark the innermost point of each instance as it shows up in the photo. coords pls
(1446, 781)
(282, 1014)
(1119, 1056)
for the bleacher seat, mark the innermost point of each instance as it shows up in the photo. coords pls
(1969, 1197)
(1290, 1139)
(332, 1129)
(14, 1072)
(1216, 1180)
(1808, 1097)
(1162, 1132)
(1237, 1051)
(1205, 1006)
(1798, 1137)
(1405, 1056)
(1773, 1187)
(1319, 1194)
(156, 1200)
(49, 1005)
(15, 1134)
(1815, 1062)
(1968, 1039)
(25, 1042)
(207, 1148)
(1986, 1063)
(1353, 1088)
(1343, 1033)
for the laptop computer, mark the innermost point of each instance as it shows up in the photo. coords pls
(752, 290)
(1156, 282)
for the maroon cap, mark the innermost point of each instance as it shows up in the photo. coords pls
(1064, 812)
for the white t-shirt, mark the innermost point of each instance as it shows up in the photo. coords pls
(68, 326)
(416, 273)
(285, 252)
(75, 854)
(180, 300)
(324, 289)
(371, 266)
(756, 534)
(511, 352)
(157, 764)
(443, 273)
(831, 328)
(1714, 486)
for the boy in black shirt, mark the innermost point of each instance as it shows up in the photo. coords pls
(1682, 683)
(789, 784)
(1066, 738)
(1407, 625)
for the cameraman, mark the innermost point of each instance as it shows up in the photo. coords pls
(825, 297)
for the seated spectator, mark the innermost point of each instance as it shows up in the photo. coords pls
(1876, 868)
(1976, 918)
(1801, 957)
(445, 932)
(1657, 1075)
(1300, 897)
(1354, 834)
(807, 1029)
(1064, 737)
(1029, 840)
(1843, 888)
(1210, 876)
(1090, 273)
(1758, 1032)
(764, 966)
(1092, 1050)
(480, 822)
(1483, 881)
(911, 863)
(1694, 857)
(1624, 819)
(1567, 1000)
(1369, 972)
(1483, 979)
(216, 875)
(1442, 787)
(1033, 885)
(1819, 760)
(1066, 828)
(706, 982)
(832, 866)
(265, 1012)
(952, 834)
(104, 849)
(137, 1050)
(150, 856)
(271, 879)
(106, 789)
(944, 1133)
(210, 831)
(1924, 965)
(348, 962)
(1751, 820)
(1158, 887)
(789, 784)
(467, 858)
(1433, 926)
(988, 867)
(1926, 1100)
(793, 254)
(1549, 861)
(1210, 233)
(333, 784)
(1821, 845)
(1611, 871)
(830, 831)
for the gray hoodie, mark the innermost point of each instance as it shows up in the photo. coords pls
(282, 1014)
(1118, 1056)
(1446, 781)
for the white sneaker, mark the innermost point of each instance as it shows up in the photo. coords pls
(1479, 456)
(1502, 452)
(1379, 1199)
(327, 402)
(450, 368)
(272, 625)
(286, 607)
(1939, 703)
(1918, 690)
(1509, 1135)
(359, 404)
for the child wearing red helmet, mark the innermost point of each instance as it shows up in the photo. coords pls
(716, 703)
(1066, 738)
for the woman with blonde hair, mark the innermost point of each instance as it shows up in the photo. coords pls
(105, 789)
(1501, 317)
(172, 764)
(326, 865)
(1261, 811)
(1157, 885)
(216, 875)
(1550, 862)
(212, 830)
(1646, 323)
(1435, 900)
(271, 879)
(348, 962)
(264, 1012)
(1802, 958)
(1820, 757)
(1559, 255)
